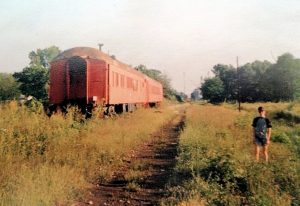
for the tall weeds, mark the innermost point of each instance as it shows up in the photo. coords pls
(216, 165)
(47, 161)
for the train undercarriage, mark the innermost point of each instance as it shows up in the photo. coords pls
(106, 110)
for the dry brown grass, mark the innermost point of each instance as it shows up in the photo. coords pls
(49, 161)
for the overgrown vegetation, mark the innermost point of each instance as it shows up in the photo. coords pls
(9, 88)
(216, 164)
(51, 161)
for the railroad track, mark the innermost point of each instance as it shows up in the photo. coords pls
(141, 180)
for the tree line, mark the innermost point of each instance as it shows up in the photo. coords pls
(256, 81)
(168, 90)
(33, 80)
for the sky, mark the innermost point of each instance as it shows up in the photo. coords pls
(182, 38)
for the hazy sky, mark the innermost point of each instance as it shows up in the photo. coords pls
(174, 36)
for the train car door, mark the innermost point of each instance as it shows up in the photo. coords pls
(76, 79)
(97, 78)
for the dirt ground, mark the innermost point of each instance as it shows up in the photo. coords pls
(143, 176)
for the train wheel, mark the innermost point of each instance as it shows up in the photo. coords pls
(49, 110)
(131, 107)
(119, 108)
(88, 111)
(111, 111)
(152, 104)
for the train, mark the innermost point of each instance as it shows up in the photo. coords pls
(88, 77)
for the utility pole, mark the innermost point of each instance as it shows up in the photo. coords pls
(238, 82)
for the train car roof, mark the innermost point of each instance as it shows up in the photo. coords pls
(87, 53)
(92, 53)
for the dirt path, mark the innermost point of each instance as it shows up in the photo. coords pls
(142, 178)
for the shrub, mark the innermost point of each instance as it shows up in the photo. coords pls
(287, 116)
(281, 138)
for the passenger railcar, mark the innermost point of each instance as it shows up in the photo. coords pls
(88, 77)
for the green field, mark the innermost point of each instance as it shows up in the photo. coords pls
(216, 163)
(54, 161)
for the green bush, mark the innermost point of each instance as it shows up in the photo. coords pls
(281, 138)
(287, 116)
(221, 169)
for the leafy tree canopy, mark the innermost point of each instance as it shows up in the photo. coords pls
(43, 57)
(213, 90)
(256, 81)
(9, 88)
(33, 81)
(34, 78)
(169, 92)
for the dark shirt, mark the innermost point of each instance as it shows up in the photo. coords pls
(268, 122)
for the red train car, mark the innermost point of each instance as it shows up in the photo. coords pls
(88, 77)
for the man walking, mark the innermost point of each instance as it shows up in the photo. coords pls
(261, 133)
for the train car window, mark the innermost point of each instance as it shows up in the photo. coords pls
(129, 82)
(136, 85)
(122, 81)
(117, 79)
(113, 79)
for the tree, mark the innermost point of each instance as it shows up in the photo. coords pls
(260, 80)
(9, 88)
(260, 89)
(251, 81)
(228, 76)
(34, 78)
(43, 57)
(282, 77)
(297, 79)
(33, 81)
(169, 92)
(196, 94)
(181, 97)
(213, 90)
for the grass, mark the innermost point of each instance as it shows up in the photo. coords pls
(52, 161)
(216, 166)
